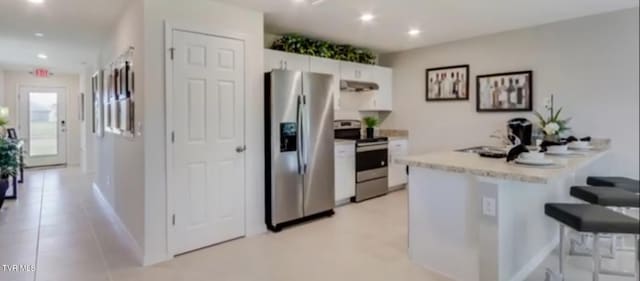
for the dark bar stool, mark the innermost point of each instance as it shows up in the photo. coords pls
(606, 196)
(591, 219)
(620, 182)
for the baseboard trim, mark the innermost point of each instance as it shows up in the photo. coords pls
(109, 211)
(536, 261)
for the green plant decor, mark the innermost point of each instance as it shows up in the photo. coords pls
(3, 126)
(293, 43)
(552, 126)
(8, 158)
(3, 122)
(370, 122)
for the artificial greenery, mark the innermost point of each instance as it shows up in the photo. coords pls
(3, 123)
(8, 158)
(293, 43)
(370, 122)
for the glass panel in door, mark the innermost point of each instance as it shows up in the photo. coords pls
(43, 124)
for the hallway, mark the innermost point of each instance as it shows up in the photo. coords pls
(58, 226)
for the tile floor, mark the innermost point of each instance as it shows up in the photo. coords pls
(58, 226)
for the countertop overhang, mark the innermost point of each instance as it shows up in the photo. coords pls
(473, 164)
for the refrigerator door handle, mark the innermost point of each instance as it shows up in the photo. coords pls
(305, 134)
(299, 139)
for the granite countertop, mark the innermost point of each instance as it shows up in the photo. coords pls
(394, 134)
(473, 164)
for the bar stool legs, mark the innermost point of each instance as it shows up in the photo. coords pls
(550, 275)
(637, 260)
(561, 252)
(596, 257)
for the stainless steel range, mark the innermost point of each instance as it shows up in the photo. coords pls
(371, 160)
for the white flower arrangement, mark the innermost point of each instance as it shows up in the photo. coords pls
(552, 126)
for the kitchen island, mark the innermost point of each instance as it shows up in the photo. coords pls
(482, 219)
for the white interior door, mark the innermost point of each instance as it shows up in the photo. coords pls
(208, 147)
(42, 124)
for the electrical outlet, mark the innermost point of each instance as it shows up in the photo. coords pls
(489, 206)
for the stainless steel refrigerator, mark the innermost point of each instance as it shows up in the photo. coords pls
(299, 147)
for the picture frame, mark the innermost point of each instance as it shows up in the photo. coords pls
(505, 92)
(449, 83)
(81, 107)
(97, 89)
(106, 99)
(125, 84)
(12, 134)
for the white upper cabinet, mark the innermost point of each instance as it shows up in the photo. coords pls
(356, 71)
(286, 61)
(332, 67)
(380, 100)
(383, 98)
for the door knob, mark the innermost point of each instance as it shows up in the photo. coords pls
(241, 149)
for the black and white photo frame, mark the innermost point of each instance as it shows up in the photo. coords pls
(450, 83)
(505, 92)
(119, 95)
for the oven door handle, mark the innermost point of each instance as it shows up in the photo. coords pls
(373, 143)
(372, 148)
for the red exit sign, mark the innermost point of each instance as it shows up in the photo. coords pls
(41, 72)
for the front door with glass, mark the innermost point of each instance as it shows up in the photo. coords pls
(42, 125)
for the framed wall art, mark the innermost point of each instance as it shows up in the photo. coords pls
(505, 92)
(448, 83)
(96, 101)
(118, 95)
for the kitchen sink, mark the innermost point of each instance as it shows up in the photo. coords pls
(484, 148)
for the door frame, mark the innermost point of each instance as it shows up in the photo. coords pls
(61, 90)
(169, 28)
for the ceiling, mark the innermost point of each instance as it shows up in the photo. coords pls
(439, 20)
(74, 31)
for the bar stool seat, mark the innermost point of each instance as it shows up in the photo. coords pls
(621, 182)
(592, 218)
(606, 196)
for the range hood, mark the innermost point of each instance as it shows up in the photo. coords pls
(358, 86)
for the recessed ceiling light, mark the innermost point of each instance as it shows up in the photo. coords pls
(42, 56)
(414, 32)
(36, 1)
(39, 34)
(367, 17)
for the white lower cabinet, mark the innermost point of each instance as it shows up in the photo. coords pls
(345, 171)
(397, 173)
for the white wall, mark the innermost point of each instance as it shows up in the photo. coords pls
(590, 64)
(207, 15)
(14, 79)
(120, 161)
(87, 141)
(1, 87)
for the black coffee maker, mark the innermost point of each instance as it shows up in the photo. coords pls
(521, 128)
